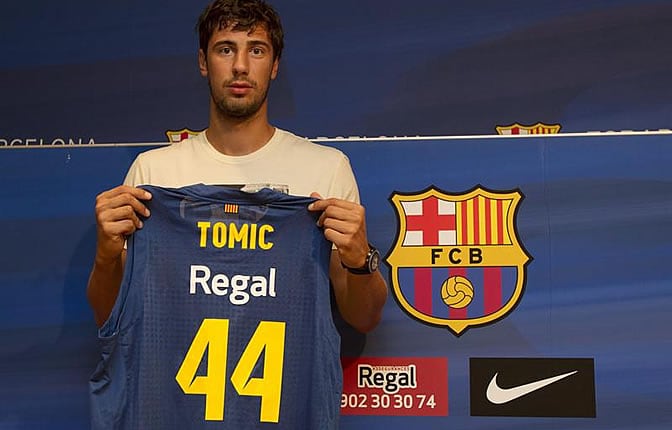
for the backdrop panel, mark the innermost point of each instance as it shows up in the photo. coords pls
(126, 71)
(595, 218)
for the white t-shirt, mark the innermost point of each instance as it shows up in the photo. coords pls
(294, 163)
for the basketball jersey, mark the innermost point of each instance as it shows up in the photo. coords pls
(223, 318)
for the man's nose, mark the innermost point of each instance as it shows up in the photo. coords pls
(241, 63)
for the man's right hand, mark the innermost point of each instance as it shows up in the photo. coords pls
(118, 215)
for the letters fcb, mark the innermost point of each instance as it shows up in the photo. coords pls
(457, 248)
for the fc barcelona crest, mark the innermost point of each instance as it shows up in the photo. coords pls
(520, 129)
(457, 261)
(176, 136)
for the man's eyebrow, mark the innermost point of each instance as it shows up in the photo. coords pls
(254, 42)
(257, 42)
(223, 43)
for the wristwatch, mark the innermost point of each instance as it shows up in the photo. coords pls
(370, 264)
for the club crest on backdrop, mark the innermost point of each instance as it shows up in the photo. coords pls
(175, 136)
(520, 129)
(457, 261)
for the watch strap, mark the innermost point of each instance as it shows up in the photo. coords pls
(370, 264)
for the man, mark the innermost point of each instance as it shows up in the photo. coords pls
(241, 44)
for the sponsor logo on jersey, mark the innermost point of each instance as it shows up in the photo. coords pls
(520, 129)
(175, 136)
(532, 387)
(457, 261)
(411, 386)
(238, 287)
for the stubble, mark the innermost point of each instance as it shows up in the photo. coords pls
(238, 107)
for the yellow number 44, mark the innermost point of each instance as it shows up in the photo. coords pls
(213, 336)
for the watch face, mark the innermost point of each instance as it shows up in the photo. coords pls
(374, 261)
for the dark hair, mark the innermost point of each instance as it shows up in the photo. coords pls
(244, 15)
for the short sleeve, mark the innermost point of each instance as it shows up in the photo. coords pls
(134, 174)
(344, 184)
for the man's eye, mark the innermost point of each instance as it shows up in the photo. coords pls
(225, 50)
(257, 51)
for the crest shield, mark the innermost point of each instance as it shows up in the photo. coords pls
(457, 261)
(520, 129)
(175, 136)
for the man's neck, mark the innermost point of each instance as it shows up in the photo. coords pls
(236, 137)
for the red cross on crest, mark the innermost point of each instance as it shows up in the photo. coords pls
(431, 221)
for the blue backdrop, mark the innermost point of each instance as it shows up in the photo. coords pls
(126, 71)
(596, 218)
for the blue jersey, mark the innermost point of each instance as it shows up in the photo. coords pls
(223, 318)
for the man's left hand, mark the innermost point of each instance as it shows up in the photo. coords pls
(344, 224)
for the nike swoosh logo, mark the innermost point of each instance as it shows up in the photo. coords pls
(499, 395)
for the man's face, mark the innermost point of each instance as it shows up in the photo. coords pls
(239, 68)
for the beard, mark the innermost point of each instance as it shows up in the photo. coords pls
(239, 108)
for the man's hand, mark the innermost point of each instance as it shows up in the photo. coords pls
(344, 225)
(117, 216)
(360, 298)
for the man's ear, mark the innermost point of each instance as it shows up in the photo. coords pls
(202, 63)
(274, 70)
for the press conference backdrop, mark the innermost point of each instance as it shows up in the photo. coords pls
(579, 253)
(126, 71)
(552, 250)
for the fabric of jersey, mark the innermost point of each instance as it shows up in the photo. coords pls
(160, 308)
(298, 164)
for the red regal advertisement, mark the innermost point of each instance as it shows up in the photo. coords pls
(406, 386)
